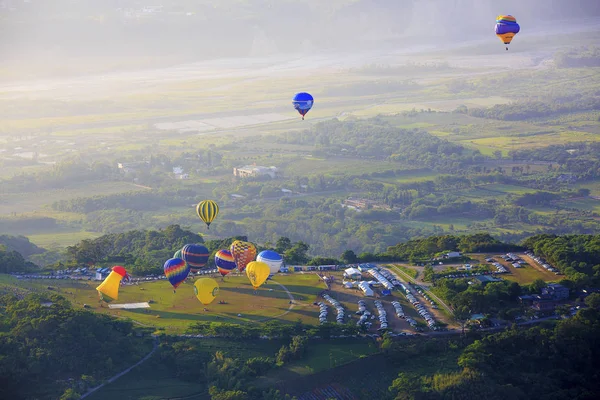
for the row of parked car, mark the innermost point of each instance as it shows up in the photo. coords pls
(543, 263)
(382, 315)
(425, 296)
(420, 309)
(338, 307)
(364, 314)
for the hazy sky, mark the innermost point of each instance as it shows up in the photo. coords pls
(196, 29)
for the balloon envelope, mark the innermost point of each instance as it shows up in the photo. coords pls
(224, 261)
(257, 273)
(506, 28)
(303, 102)
(176, 271)
(272, 259)
(206, 289)
(196, 255)
(243, 253)
(108, 290)
(207, 210)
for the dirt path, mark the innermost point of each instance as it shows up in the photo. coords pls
(290, 308)
(120, 374)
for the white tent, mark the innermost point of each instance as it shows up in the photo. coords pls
(364, 286)
(352, 273)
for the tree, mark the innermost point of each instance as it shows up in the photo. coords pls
(349, 257)
(217, 394)
(593, 300)
(537, 286)
(428, 273)
(283, 244)
(70, 394)
(461, 315)
(283, 355)
(406, 386)
(497, 154)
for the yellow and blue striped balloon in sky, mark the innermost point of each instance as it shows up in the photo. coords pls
(207, 210)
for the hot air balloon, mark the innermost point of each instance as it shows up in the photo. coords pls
(224, 261)
(178, 254)
(176, 271)
(272, 259)
(243, 253)
(206, 289)
(257, 273)
(109, 289)
(207, 210)
(303, 102)
(195, 255)
(506, 28)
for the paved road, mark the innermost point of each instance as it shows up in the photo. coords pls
(120, 374)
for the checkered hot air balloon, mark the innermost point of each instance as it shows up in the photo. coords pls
(195, 255)
(243, 253)
(224, 261)
(176, 271)
(207, 210)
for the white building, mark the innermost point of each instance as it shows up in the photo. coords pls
(254, 170)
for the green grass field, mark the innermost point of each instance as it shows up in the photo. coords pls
(528, 274)
(174, 312)
(29, 202)
(60, 239)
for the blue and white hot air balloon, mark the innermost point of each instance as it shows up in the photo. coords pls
(303, 102)
(272, 259)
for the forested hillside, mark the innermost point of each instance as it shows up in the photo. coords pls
(48, 348)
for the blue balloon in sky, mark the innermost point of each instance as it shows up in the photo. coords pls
(303, 102)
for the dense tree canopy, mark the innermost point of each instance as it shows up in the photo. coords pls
(45, 342)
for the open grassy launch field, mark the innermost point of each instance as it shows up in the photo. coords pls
(174, 312)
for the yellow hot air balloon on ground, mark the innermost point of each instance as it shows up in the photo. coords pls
(109, 289)
(257, 272)
(207, 210)
(206, 290)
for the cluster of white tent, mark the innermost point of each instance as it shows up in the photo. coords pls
(364, 314)
(382, 314)
(377, 275)
(390, 277)
(364, 286)
(322, 312)
(542, 262)
(420, 308)
(338, 307)
(499, 268)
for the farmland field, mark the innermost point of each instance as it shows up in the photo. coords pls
(27, 202)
